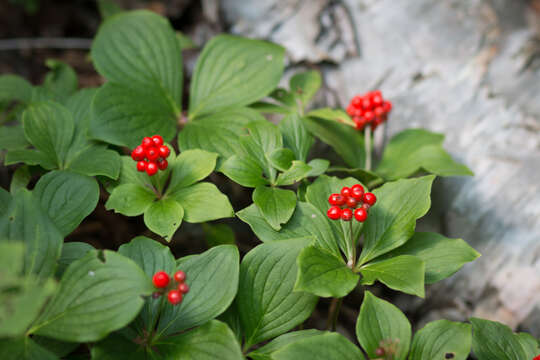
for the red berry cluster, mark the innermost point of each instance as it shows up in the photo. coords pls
(151, 155)
(161, 281)
(353, 198)
(369, 109)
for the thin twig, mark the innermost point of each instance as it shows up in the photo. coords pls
(333, 313)
(367, 144)
(44, 43)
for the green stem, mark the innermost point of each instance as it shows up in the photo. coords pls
(333, 313)
(367, 144)
(352, 260)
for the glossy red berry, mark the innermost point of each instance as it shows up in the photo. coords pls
(164, 151)
(158, 140)
(179, 276)
(369, 198)
(360, 214)
(366, 206)
(160, 279)
(152, 153)
(357, 101)
(387, 106)
(334, 212)
(336, 199)
(147, 142)
(345, 191)
(162, 164)
(174, 297)
(366, 103)
(377, 100)
(378, 111)
(350, 110)
(369, 116)
(346, 215)
(151, 168)
(358, 112)
(141, 166)
(379, 351)
(183, 288)
(138, 153)
(357, 192)
(351, 202)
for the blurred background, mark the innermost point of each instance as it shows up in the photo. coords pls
(466, 68)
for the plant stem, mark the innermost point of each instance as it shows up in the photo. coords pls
(352, 261)
(333, 313)
(367, 144)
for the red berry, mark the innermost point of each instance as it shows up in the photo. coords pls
(334, 212)
(387, 106)
(152, 153)
(350, 110)
(336, 199)
(151, 168)
(377, 93)
(379, 351)
(160, 279)
(179, 276)
(183, 288)
(366, 206)
(164, 151)
(360, 123)
(162, 164)
(147, 142)
(366, 103)
(158, 140)
(346, 215)
(174, 297)
(351, 202)
(357, 191)
(379, 111)
(360, 214)
(138, 153)
(141, 166)
(377, 100)
(356, 101)
(345, 191)
(370, 198)
(369, 116)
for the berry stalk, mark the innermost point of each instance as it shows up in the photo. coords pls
(367, 145)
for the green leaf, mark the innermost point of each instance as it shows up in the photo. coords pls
(144, 72)
(381, 323)
(305, 85)
(21, 298)
(67, 197)
(13, 87)
(333, 115)
(116, 285)
(403, 273)
(413, 150)
(267, 305)
(265, 352)
(21, 178)
(118, 347)
(298, 171)
(189, 167)
(320, 347)
(71, 252)
(184, 41)
(49, 127)
(213, 280)
(152, 257)
(306, 221)
(130, 199)
(218, 234)
(323, 274)
(108, 8)
(529, 344)
(346, 141)
(203, 202)
(164, 217)
(214, 340)
(217, 132)
(59, 348)
(94, 160)
(25, 221)
(244, 171)
(442, 256)
(23, 348)
(318, 167)
(233, 71)
(296, 136)
(30, 157)
(12, 137)
(61, 80)
(493, 340)
(281, 159)
(276, 205)
(392, 219)
(442, 337)
(285, 98)
(366, 177)
(5, 199)
(268, 108)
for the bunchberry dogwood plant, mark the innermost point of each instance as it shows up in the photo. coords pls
(339, 226)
